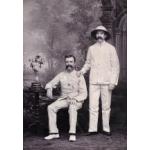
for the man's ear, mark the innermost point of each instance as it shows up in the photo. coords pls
(76, 68)
(105, 36)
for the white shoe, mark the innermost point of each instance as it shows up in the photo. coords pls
(72, 138)
(51, 136)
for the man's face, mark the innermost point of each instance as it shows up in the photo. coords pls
(100, 35)
(70, 63)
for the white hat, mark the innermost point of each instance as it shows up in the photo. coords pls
(100, 28)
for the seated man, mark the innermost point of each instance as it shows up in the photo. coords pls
(73, 94)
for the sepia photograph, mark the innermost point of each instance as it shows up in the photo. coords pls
(75, 74)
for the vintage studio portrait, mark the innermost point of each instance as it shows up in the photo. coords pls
(75, 74)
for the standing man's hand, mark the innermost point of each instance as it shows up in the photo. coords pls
(111, 86)
(79, 73)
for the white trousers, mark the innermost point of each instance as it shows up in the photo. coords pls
(99, 91)
(52, 114)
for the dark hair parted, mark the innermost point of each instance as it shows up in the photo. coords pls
(68, 56)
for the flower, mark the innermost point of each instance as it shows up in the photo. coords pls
(36, 63)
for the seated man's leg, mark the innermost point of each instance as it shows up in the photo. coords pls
(52, 114)
(73, 116)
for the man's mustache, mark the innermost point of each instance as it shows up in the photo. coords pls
(99, 37)
(67, 66)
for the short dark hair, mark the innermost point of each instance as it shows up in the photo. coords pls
(68, 56)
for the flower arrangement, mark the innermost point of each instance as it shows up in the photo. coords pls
(36, 64)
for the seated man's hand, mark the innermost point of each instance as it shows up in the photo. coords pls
(72, 101)
(49, 93)
(111, 86)
(47, 86)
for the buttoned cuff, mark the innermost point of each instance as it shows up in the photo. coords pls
(115, 82)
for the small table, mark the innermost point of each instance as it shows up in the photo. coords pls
(33, 105)
(36, 107)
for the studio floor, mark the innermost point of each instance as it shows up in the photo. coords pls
(117, 141)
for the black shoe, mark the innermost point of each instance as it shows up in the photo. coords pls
(106, 133)
(91, 133)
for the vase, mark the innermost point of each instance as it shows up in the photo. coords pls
(36, 85)
(37, 77)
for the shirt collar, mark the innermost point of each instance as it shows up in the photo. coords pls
(73, 72)
(100, 44)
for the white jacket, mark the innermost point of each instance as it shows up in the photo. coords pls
(71, 85)
(102, 60)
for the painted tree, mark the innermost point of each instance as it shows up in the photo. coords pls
(59, 27)
(51, 20)
(84, 18)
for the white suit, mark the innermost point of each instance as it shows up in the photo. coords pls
(102, 60)
(72, 87)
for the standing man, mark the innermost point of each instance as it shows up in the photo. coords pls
(73, 94)
(103, 63)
